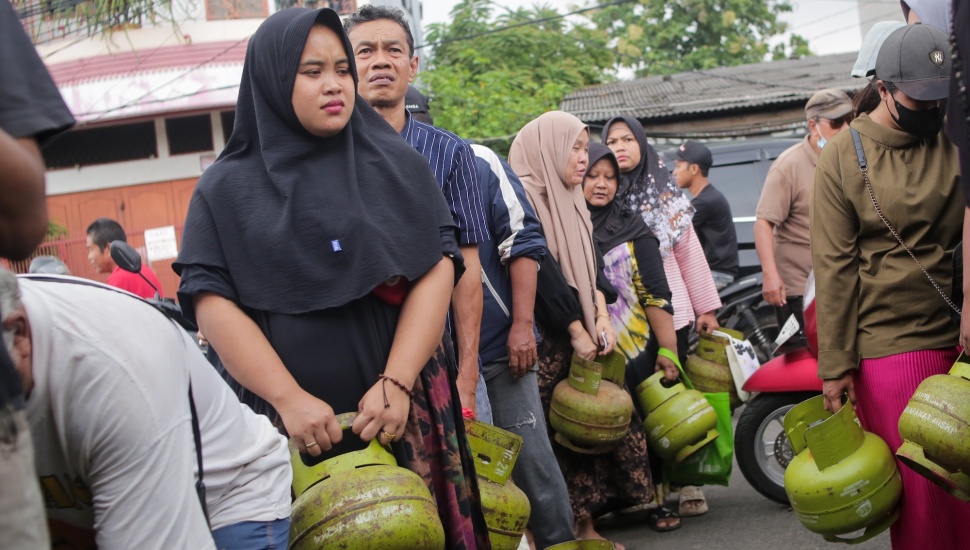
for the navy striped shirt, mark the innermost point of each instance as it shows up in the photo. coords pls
(453, 164)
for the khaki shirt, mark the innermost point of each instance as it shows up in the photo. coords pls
(785, 202)
(872, 299)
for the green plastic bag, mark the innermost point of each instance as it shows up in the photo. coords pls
(712, 464)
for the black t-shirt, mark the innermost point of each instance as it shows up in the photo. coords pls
(714, 226)
(30, 106)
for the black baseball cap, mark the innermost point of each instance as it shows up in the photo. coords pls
(415, 101)
(695, 153)
(916, 59)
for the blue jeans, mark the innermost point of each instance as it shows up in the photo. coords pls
(516, 407)
(483, 407)
(254, 535)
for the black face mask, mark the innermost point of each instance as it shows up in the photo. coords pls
(923, 124)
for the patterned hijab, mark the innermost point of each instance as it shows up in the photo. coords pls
(539, 156)
(650, 190)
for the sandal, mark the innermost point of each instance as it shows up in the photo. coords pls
(661, 513)
(694, 498)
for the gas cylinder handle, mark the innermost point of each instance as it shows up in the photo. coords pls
(664, 352)
(305, 476)
(961, 367)
(346, 420)
(870, 532)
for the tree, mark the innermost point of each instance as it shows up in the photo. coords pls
(50, 20)
(489, 77)
(654, 37)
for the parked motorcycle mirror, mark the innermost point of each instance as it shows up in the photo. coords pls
(129, 259)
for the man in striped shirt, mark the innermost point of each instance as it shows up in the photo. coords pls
(386, 64)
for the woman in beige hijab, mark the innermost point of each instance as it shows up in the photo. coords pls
(550, 156)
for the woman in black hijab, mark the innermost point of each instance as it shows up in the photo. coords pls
(643, 320)
(318, 258)
(634, 266)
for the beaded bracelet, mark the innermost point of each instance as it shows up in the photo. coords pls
(384, 378)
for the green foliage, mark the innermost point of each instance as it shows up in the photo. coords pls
(47, 20)
(55, 230)
(488, 80)
(487, 87)
(654, 37)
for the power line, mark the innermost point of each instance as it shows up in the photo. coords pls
(524, 24)
(169, 82)
(847, 27)
(182, 96)
(141, 61)
(823, 18)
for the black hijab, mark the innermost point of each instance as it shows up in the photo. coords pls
(303, 223)
(650, 190)
(613, 224)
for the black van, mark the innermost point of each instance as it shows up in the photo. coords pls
(739, 172)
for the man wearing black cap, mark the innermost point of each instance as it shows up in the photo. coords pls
(417, 104)
(712, 217)
(887, 215)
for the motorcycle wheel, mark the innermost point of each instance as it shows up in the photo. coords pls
(760, 445)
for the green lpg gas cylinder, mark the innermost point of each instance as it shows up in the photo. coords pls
(935, 427)
(842, 478)
(361, 500)
(709, 369)
(590, 411)
(505, 506)
(679, 420)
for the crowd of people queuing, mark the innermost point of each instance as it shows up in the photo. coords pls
(343, 254)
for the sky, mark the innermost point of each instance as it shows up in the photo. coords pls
(831, 26)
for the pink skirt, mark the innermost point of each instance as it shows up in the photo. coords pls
(929, 517)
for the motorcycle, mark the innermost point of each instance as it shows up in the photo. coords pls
(128, 259)
(761, 447)
(744, 309)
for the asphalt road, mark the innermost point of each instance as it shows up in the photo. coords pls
(739, 519)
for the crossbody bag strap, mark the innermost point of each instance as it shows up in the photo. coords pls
(864, 168)
(197, 434)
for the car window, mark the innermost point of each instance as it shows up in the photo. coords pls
(740, 184)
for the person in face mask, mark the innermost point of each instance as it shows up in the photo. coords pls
(882, 325)
(781, 226)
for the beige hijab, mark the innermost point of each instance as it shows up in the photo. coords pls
(539, 156)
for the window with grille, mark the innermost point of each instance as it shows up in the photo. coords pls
(228, 119)
(88, 146)
(189, 134)
(342, 7)
(235, 9)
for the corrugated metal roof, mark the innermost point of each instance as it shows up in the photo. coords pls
(146, 61)
(743, 87)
